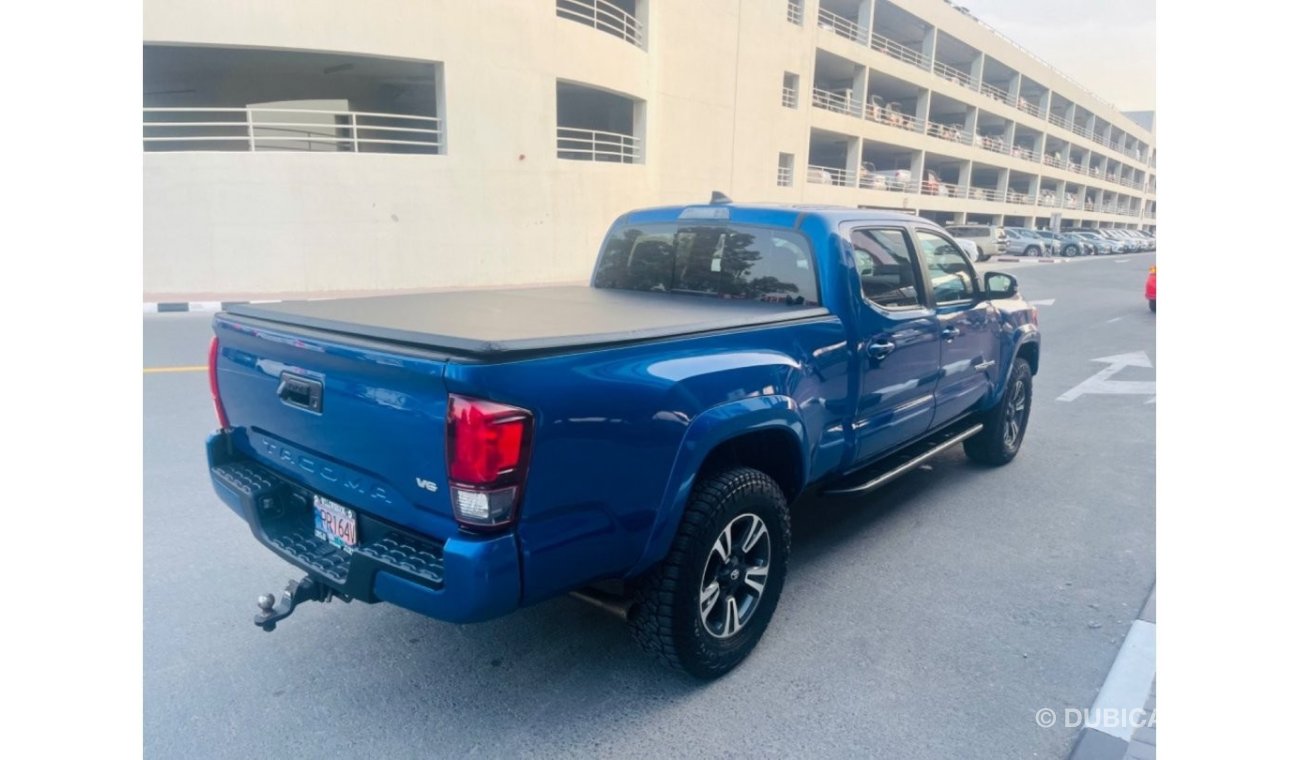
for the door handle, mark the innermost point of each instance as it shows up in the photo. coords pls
(880, 349)
(950, 333)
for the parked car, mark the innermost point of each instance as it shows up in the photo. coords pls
(1025, 242)
(969, 248)
(990, 240)
(1151, 288)
(890, 179)
(1126, 245)
(1069, 244)
(466, 454)
(1104, 245)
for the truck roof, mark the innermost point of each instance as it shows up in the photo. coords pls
(769, 214)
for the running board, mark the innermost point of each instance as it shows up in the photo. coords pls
(908, 459)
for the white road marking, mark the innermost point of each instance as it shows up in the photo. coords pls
(1127, 684)
(1043, 302)
(1101, 383)
(1121, 261)
(1116, 319)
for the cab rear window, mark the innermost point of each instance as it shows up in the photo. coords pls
(724, 261)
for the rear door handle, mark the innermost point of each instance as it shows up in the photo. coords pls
(880, 349)
(950, 333)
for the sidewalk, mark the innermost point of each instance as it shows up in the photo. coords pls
(1133, 737)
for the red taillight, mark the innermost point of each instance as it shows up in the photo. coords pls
(487, 459)
(214, 351)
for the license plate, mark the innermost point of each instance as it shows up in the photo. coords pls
(335, 523)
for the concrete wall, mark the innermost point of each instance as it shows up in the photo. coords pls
(499, 207)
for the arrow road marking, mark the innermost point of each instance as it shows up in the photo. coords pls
(1043, 302)
(1101, 383)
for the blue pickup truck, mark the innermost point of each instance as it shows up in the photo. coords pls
(636, 442)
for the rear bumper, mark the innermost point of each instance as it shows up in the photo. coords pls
(460, 579)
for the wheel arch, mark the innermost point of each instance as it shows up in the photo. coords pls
(766, 433)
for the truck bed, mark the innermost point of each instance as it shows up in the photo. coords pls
(496, 323)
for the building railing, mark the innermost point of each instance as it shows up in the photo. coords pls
(895, 50)
(986, 194)
(1028, 107)
(953, 74)
(841, 26)
(1048, 200)
(604, 16)
(1019, 198)
(794, 12)
(596, 145)
(950, 132)
(289, 129)
(890, 115)
(830, 175)
(947, 190)
(1054, 161)
(784, 176)
(789, 97)
(994, 143)
(1028, 154)
(838, 102)
(1057, 120)
(997, 93)
(868, 180)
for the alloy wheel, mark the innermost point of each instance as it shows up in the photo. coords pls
(735, 575)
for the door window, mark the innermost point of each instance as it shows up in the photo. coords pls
(951, 275)
(885, 263)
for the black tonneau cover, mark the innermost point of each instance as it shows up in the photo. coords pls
(492, 323)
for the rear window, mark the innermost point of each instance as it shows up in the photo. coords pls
(968, 232)
(731, 261)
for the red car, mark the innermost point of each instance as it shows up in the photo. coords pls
(1151, 288)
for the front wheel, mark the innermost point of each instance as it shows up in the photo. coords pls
(705, 606)
(1004, 424)
(1071, 251)
(1033, 251)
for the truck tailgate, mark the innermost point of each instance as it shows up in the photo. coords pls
(362, 424)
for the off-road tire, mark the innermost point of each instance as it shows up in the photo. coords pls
(1000, 440)
(665, 616)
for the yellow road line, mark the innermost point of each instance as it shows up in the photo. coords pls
(194, 368)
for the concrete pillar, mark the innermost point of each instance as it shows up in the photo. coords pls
(929, 44)
(1004, 182)
(977, 69)
(853, 159)
(923, 107)
(1013, 89)
(972, 119)
(1091, 124)
(963, 175)
(1045, 103)
(866, 16)
(860, 85)
(918, 167)
(1040, 145)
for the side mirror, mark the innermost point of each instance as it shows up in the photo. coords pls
(999, 285)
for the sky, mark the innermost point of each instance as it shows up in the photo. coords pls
(1108, 46)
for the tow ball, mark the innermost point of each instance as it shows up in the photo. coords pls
(295, 593)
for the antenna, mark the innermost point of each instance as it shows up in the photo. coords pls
(719, 198)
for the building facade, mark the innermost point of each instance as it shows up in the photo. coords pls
(334, 146)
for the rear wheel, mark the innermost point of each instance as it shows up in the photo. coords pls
(1004, 424)
(705, 606)
(1033, 250)
(1071, 251)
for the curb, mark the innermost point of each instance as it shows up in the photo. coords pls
(1130, 688)
(163, 307)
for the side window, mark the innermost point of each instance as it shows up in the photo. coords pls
(951, 275)
(885, 265)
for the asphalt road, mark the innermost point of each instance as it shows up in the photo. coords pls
(928, 620)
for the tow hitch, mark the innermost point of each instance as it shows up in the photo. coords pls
(294, 594)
